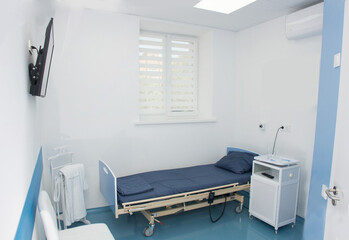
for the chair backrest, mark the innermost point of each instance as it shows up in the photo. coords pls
(48, 216)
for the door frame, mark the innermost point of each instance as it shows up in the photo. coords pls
(332, 35)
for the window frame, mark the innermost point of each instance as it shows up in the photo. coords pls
(168, 114)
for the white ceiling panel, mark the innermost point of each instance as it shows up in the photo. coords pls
(184, 12)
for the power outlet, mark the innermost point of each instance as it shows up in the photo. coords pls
(287, 127)
(261, 126)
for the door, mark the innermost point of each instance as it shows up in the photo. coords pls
(337, 217)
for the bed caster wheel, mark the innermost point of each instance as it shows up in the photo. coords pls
(239, 208)
(250, 216)
(276, 232)
(149, 231)
(293, 225)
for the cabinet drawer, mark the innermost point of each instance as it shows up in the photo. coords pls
(290, 175)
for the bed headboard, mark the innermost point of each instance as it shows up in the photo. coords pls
(107, 186)
(231, 149)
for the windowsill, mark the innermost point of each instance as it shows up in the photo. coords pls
(174, 121)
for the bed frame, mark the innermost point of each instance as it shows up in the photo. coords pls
(167, 205)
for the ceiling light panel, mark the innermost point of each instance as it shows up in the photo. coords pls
(223, 6)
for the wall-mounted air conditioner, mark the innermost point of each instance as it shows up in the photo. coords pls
(305, 23)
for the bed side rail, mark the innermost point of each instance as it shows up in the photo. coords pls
(181, 198)
(108, 187)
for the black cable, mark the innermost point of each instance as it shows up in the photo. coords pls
(209, 209)
(276, 135)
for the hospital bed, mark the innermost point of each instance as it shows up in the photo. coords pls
(160, 193)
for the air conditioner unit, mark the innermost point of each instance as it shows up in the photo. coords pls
(305, 23)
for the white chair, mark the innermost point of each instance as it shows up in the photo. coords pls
(86, 232)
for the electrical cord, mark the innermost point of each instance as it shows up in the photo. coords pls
(209, 209)
(276, 135)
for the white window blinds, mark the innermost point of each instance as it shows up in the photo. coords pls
(167, 74)
(152, 74)
(182, 75)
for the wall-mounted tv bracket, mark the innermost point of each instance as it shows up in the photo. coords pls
(31, 48)
(34, 71)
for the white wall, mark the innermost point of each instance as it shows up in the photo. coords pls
(92, 101)
(19, 123)
(277, 83)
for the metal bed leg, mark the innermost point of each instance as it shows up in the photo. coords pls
(240, 206)
(174, 204)
(149, 230)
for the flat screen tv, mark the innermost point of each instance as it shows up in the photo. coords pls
(39, 73)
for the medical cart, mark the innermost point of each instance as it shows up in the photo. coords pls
(274, 190)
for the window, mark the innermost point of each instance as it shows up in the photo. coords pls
(167, 76)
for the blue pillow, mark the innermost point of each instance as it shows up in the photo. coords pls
(131, 185)
(237, 162)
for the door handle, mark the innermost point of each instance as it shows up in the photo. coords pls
(332, 194)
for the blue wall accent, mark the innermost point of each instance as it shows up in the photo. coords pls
(326, 118)
(26, 223)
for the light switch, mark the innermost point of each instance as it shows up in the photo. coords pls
(337, 60)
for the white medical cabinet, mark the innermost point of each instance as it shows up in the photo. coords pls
(274, 192)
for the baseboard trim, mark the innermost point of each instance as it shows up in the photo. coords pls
(98, 209)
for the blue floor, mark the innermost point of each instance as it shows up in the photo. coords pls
(195, 225)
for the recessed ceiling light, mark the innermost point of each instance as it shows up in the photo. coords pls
(223, 6)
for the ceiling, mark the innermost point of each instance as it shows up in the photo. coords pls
(183, 11)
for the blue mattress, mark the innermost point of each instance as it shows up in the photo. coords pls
(168, 182)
